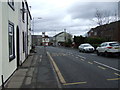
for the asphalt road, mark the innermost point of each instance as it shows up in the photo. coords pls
(84, 70)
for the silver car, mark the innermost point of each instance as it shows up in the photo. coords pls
(86, 48)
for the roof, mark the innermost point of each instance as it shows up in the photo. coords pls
(28, 9)
(61, 33)
(92, 29)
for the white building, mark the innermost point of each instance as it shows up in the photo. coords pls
(45, 40)
(61, 38)
(15, 36)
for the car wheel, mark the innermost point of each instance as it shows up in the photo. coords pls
(79, 50)
(83, 50)
(106, 54)
(98, 53)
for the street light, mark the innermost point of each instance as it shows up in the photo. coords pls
(33, 26)
(34, 22)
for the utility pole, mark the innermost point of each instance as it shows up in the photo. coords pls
(65, 34)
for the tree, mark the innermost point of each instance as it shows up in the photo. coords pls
(104, 17)
(79, 40)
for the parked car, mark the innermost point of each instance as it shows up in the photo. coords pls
(108, 48)
(86, 48)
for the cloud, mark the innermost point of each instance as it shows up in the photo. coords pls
(87, 10)
(74, 15)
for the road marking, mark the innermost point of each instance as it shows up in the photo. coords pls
(102, 67)
(40, 56)
(117, 74)
(76, 57)
(56, 76)
(90, 62)
(40, 60)
(74, 83)
(93, 54)
(107, 66)
(81, 57)
(113, 79)
(61, 78)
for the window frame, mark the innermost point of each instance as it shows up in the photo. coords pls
(23, 36)
(12, 4)
(12, 56)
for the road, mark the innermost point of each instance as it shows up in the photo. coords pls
(84, 70)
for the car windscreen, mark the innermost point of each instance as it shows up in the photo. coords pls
(114, 44)
(86, 46)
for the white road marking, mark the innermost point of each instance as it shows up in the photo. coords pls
(40, 56)
(93, 54)
(90, 62)
(117, 74)
(102, 67)
(76, 57)
(81, 57)
(40, 60)
(107, 66)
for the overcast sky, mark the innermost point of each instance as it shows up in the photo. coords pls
(73, 15)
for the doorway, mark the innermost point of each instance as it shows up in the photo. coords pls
(18, 47)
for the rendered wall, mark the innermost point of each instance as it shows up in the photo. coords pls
(8, 67)
(0, 42)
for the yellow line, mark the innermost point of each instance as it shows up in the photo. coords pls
(102, 67)
(62, 80)
(74, 83)
(90, 62)
(117, 74)
(114, 79)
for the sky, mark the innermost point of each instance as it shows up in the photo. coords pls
(77, 17)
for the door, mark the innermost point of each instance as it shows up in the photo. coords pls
(18, 46)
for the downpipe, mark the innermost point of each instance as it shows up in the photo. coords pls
(2, 81)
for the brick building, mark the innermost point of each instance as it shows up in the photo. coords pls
(108, 31)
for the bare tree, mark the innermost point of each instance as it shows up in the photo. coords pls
(102, 17)
(105, 17)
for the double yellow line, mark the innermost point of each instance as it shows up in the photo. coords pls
(61, 78)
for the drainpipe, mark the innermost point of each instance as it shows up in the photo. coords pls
(2, 81)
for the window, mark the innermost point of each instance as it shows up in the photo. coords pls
(23, 42)
(11, 41)
(11, 3)
(23, 13)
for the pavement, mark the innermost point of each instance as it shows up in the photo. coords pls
(35, 72)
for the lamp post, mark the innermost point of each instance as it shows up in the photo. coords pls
(37, 18)
(65, 35)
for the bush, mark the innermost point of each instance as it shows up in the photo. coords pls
(96, 41)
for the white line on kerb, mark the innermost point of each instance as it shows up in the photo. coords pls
(107, 66)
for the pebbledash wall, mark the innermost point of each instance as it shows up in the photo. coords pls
(0, 42)
(13, 16)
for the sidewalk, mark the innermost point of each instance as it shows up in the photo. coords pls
(36, 72)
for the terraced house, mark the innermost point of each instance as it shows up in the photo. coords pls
(15, 36)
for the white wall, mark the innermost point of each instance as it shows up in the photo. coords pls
(29, 35)
(8, 67)
(61, 38)
(6, 13)
(0, 43)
